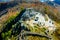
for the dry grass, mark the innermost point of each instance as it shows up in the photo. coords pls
(36, 38)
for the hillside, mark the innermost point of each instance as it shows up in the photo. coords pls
(30, 21)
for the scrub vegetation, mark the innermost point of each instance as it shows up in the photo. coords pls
(11, 23)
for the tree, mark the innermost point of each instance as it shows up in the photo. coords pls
(3, 35)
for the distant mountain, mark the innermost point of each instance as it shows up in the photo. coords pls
(52, 3)
(6, 5)
(5, 0)
(57, 1)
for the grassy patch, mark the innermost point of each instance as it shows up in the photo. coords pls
(36, 38)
